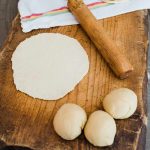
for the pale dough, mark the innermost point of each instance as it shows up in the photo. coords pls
(69, 121)
(49, 65)
(120, 103)
(100, 129)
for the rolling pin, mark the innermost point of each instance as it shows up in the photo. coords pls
(105, 45)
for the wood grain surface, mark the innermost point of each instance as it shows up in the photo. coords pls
(28, 122)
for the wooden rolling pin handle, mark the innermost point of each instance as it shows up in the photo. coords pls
(105, 45)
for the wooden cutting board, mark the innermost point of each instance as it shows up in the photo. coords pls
(25, 121)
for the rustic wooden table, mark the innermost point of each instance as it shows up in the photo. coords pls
(8, 9)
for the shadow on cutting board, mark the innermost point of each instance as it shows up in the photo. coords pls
(3, 146)
(14, 148)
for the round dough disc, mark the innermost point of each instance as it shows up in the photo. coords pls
(49, 65)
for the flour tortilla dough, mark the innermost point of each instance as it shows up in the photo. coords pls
(100, 129)
(49, 65)
(120, 103)
(69, 121)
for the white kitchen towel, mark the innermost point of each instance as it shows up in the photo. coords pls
(36, 14)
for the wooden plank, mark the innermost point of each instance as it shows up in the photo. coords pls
(28, 122)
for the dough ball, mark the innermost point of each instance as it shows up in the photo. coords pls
(69, 121)
(100, 129)
(115, 1)
(49, 65)
(120, 103)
